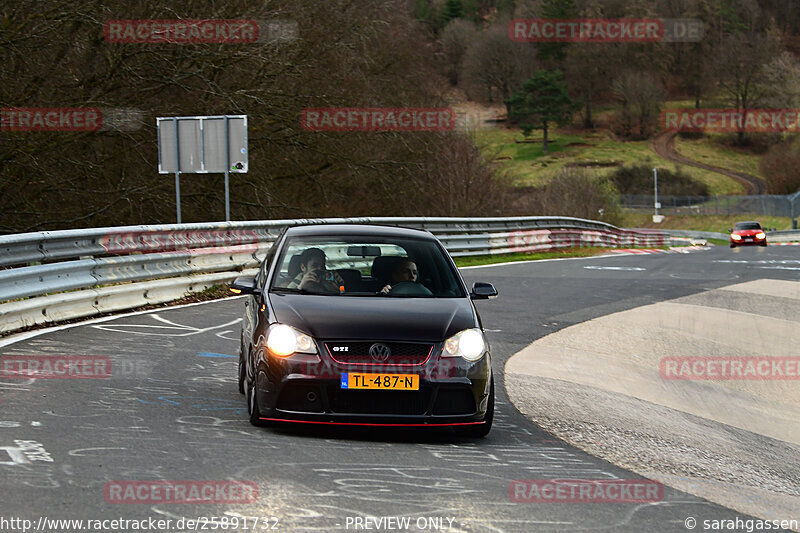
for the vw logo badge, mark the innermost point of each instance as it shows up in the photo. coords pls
(379, 352)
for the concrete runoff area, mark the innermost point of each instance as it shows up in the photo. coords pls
(736, 442)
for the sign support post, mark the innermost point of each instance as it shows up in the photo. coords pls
(227, 170)
(202, 145)
(177, 170)
(655, 179)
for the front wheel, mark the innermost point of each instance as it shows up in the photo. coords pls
(252, 404)
(242, 370)
(480, 431)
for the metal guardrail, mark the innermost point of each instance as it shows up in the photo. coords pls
(696, 234)
(86, 273)
(772, 236)
(783, 236)
(110, 269)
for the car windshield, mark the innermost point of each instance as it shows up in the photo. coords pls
(366, 266)
(747, 225)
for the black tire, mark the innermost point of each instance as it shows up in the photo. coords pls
(480, 431)
(733, 246)
(763, 244)
(241, 374)
(252, 404)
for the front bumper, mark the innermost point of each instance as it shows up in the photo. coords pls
(307, 388)
(749, 241)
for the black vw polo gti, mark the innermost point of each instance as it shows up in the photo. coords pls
(364, 325)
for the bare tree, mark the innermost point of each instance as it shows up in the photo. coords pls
(740, 67)
(347, 53)
(587, 69)
(495, 66)
(457, 183)
(456, 39)
(781, 80)
(641, 95)
(573, 193)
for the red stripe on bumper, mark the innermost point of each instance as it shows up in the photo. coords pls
(371, 424)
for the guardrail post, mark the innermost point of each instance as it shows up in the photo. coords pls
(791, 199)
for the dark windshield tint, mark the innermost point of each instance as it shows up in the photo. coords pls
(365, 266)
(747, 225)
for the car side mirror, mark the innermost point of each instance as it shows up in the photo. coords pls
(243, 285)
(730, 230)
(482, 291)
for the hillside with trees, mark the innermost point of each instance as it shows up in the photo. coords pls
(747, 59)
(357, 53)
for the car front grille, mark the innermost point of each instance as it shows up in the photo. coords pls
(358, 353)
(379, 402)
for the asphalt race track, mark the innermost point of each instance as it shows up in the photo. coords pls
(171, 411)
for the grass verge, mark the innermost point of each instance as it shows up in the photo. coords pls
(717, 223)
(513, 257)
(716, 150)
(599, 153)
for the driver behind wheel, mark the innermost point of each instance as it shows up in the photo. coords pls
(404, 271)
(314, 275)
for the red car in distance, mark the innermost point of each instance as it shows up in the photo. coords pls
(748, 233)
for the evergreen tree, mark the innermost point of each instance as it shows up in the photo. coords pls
(425, 12)
(453, 9)
(556, 9)
(542, 100)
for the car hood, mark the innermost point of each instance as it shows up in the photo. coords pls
(747, 232)
(374, 318)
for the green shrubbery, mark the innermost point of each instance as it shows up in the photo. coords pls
(638, 179)
(574, 193)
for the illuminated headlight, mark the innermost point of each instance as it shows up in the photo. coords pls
(760, 235)
(736, 237)
(468, 344)
(283, 341)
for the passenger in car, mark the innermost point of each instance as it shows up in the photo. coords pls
(314, 275)
(405, 270)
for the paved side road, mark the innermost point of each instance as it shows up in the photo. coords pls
(664, 145)
(627, 387)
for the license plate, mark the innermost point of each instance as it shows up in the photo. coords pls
(380, 381)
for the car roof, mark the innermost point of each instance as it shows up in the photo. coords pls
(372, 230)
(747, 222)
